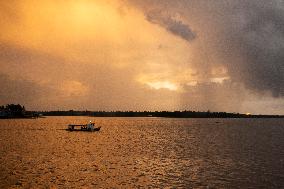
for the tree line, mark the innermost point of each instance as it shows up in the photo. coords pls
(18, 111)
(12, 110)
(170, 114)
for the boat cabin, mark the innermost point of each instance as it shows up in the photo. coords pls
(83, 127)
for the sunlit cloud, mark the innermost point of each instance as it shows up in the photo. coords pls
(219, 79)
(163, 85)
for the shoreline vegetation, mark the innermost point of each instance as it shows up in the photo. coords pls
(166, 114)
(11, 111)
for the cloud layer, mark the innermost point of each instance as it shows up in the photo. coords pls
(143, 55)
(247, 37)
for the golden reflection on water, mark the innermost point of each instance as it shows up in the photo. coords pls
(141, 152)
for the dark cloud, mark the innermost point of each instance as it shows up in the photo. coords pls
(247, 37)
(262, 44)
(171, 24)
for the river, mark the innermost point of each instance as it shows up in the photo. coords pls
(142, 153)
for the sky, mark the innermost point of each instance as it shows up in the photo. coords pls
(224, 55)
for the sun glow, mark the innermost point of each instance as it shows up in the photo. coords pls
(93, 13)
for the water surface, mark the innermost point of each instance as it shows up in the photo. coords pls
(142, 152)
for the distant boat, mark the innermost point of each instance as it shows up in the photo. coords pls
(83, 127)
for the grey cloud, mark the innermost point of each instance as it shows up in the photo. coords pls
(213, 96)
(260, 41)
(171, 24)
(247, 37)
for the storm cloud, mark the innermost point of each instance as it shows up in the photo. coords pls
(261, 42)
(247, 37)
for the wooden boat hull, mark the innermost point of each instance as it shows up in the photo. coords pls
(83, 129)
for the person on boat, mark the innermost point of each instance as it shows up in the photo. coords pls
(90, 126)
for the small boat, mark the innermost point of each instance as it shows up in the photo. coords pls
(83, 127)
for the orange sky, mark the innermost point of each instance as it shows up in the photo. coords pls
(111, 55)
